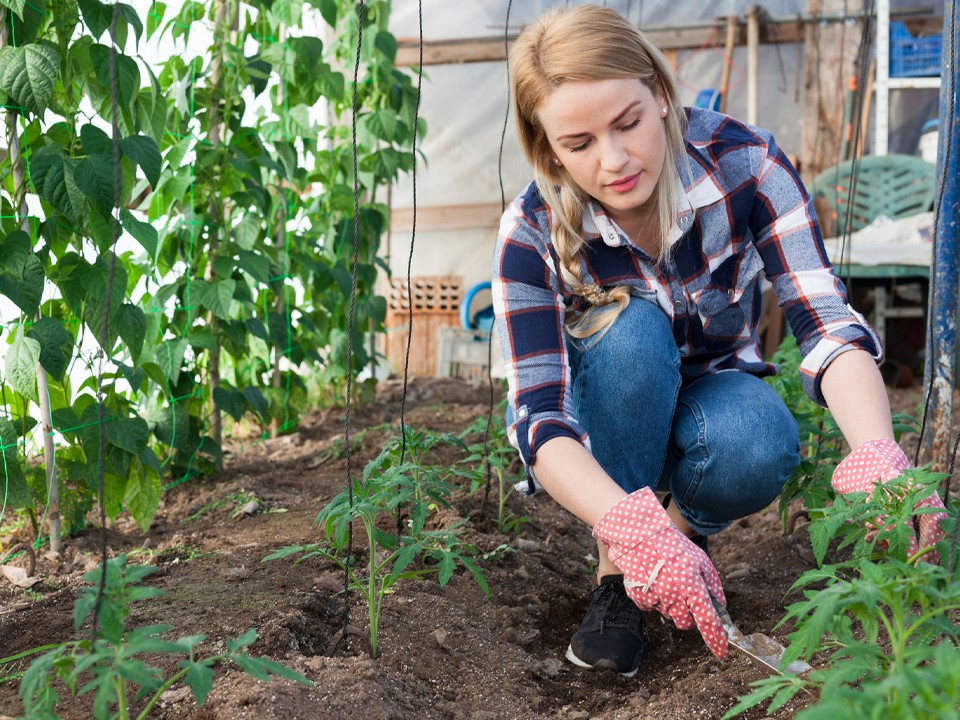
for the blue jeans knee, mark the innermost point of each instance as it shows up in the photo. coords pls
(734, 444)
(724, 445)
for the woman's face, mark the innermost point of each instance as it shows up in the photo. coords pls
(609, 136)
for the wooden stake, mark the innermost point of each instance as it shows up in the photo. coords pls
(733, 26)
(753, 64)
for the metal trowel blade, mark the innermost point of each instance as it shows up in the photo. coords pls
(762, 649)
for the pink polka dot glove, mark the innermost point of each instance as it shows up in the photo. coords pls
(876, 462)
(662, 569)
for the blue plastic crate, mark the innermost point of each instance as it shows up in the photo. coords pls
(913, 56)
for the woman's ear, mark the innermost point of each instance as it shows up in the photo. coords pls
(662, 105)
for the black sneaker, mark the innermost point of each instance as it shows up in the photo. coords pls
(611, 634)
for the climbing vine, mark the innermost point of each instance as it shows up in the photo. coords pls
(232, 276)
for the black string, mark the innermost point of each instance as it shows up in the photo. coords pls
(345, 614)
(413, 239)
(506, 117)
(862, 63)
(488, 474)
(104, 320)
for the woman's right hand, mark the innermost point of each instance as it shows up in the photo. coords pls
(662, 569)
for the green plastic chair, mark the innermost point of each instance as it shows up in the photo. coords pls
(893, 185)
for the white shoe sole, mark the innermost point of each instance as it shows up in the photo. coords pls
(601, 665)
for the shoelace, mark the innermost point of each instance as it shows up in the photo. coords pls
(614, 607)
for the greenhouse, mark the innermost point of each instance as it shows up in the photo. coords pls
(477, 360)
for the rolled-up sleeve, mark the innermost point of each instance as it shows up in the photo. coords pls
(813, 299)
(530, 311)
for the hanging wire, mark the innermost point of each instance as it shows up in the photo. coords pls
(345, 614)
(104, 320)
(413, 239)
(487, 469)
(861, 61)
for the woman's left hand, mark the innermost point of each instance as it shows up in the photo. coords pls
(878, 461)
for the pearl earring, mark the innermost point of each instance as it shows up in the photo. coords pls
(664, 109)
(556, 161)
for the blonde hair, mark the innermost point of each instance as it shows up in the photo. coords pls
(589, 42)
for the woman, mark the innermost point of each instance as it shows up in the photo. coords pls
(627, 294)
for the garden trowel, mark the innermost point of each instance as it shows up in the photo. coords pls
(762, 649)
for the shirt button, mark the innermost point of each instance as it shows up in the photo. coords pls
(612, 236)
(685, 222)
(678, 303)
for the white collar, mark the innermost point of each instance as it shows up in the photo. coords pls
(702, 192)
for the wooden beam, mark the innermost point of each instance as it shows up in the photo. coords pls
(447, 217)
(773, 32)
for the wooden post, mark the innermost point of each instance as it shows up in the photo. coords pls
(733, 26)
(753, 64)
(831, 50)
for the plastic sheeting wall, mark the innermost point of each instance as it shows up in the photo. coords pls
(464, 106)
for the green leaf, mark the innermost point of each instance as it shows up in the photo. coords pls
(447, 567)
(155, 16)
(256, 400)
(245, 640)
(382, 124)
(28, 75)
(134, 376)
(129, 16)
(231, 401)
(257, 265)
(21, 365)
(132, 325)
(256, 328)
(328, 9)
(128, 73)
(260, 667)
(24, 286)
(95, 141)
(128, 434)
(94, 176)
(143, 498)
(169, 356)
(199, 679)
(96, 16)
(386, 43)
(26, 27)
(16, 5)
(247, 231)
(143, 232)
(217, 297)
(144, 152)
(52, 174)
(56, 345)
(14, 484)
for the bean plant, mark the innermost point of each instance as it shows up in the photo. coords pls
(233, 275)
(115, 663)
(394, 552)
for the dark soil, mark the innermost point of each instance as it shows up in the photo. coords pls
(447, 652)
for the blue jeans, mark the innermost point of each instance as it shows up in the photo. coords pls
(723, 445)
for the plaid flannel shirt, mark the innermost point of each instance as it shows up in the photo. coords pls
(743, 211)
